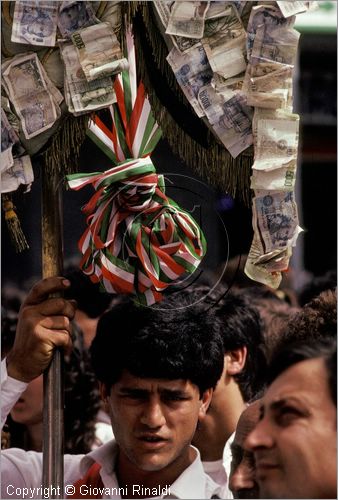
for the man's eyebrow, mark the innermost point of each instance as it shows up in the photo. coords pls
(133, 391)
(174, 392)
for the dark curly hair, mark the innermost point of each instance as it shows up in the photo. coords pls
(159, 342)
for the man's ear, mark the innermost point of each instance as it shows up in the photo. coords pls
(205, 402)
(235, 360)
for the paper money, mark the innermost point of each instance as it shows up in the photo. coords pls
(259, 272)
(34, 22)
(162, 8)
(276, 139)
(270, 90)
(20, 173)
(276, 219)
(229, 116)
(192, 72)
(279, 179)
(279, 46)
(291, 7)
(99, 51)
(82, 96)
(187, 19)
(8, 135)
(27, 90)
(224, 43)
(74, 15)
(271, 18)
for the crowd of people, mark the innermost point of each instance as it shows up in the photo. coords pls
(213, 393)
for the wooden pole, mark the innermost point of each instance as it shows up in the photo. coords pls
(52, 265)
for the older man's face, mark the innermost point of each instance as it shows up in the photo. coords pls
(242, 480)
(294, 443)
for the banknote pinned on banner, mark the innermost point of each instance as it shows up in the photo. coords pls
(24, 82)
(192, 72)
(74, 15)
(83, 96)
(224, 42)
(35, 23)
(229, 117)
(99, 51)
(20, 173)
(187, 19)
(275, 219)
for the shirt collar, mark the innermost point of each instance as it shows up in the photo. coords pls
(191, 484)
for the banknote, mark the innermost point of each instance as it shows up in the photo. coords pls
(20, 173)
(270, 90)
(34, 22)
(229, 116)
(187, 19)
(279, 179)
(276, 139)
(192, 72)
(279, 46)
(292, 7)
(221, 84)
(99, 51)
(29, 94)
(224, 43)
(181, 43)
(74, 15)
(259, 272)
(271, 18)
(275, 219)
(83, 96)
(8, 134)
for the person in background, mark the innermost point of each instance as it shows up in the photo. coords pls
(242, 480)
(316, 285)
(295, 440)
(243, 376)
(82, 400)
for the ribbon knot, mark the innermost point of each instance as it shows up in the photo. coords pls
(138, 241)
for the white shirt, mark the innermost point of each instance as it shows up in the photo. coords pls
(21, 469)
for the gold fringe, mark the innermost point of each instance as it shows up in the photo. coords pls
(214, 163)
(62, 155)
(16, 234)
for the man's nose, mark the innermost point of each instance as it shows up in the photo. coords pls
(242, 478)
(260, 437)
(153, 415)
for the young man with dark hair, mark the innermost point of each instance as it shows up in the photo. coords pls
(295, 440)
(242, 378)
(157, 369)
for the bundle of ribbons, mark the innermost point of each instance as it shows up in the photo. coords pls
(138, 241)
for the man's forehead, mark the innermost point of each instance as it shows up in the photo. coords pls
(306, 380)
(153, 384)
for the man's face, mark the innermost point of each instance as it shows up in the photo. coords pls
(242, 480)
(294, 443)
(154, 421)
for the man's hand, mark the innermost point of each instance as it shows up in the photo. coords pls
(43, 324)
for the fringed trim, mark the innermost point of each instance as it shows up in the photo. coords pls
(212, 162)
(62, 156)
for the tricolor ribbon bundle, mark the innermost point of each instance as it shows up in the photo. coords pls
(138, 241)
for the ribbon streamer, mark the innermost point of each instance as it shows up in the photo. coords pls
(138, 241)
